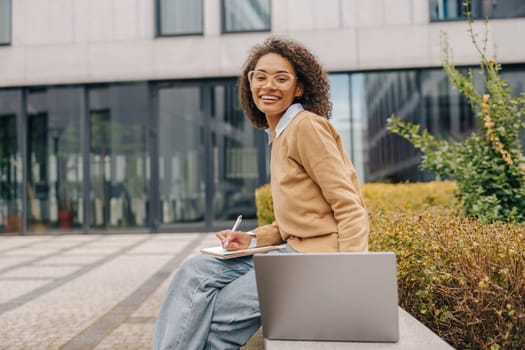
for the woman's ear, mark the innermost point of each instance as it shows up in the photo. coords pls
(299, 90)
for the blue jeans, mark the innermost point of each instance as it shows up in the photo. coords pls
(210, 304)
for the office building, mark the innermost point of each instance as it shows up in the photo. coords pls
(122, 115)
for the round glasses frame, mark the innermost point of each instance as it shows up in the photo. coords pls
(281, 80)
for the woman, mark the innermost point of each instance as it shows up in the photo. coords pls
(212, 303)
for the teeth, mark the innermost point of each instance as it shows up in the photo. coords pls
(267, 97)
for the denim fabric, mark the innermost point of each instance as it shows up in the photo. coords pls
(210, 304)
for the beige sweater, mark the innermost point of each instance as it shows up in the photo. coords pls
(317, 199)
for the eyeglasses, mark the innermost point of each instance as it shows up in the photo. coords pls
(281, 80)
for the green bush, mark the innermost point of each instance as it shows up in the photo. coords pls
(423, 195)
(264, 205)
(462, 278)
(379, 197)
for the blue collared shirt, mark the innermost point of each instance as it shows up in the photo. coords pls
(285, 120)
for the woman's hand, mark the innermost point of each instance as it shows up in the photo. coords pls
(234, 240)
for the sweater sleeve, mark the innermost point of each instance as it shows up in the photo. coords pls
(331, 170)
(268, 235)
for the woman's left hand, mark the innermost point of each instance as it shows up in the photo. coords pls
(234, 240)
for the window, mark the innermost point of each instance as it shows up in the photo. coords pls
(507, 8)
(5, 22)
(245, 16)
(443, 10)
(118, 155)
(54, 158)
(179, 17)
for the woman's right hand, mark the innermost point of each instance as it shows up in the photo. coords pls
(234, 240)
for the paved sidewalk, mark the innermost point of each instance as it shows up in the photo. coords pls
(88, 291)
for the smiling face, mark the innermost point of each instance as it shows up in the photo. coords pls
(269, 94)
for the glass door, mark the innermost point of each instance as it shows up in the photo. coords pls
(182, 161)
(54, 157)
(211, 160)
(238, 159)
(10, 163)
(119, 172)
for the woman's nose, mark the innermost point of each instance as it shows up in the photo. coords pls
(269, 82)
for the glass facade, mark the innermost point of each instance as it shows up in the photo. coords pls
(386, 93)
(348, 115)
(238, 157)
(444, 10)
(179, 17)
(180, 156)
(11, 167)
(182, 163)
(5, 22)
(422, 96)
(245, 16)
(515, 76)
(211, 159)
(54, 159)
(118, 156)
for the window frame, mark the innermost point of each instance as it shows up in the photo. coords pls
(158, 24)
(485, 14)
(223, 21)
(9, 24)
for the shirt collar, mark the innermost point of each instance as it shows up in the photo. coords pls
(285, 120)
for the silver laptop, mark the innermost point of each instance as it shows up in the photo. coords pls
(328, 296)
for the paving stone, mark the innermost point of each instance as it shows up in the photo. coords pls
(7, 262)
(11, 289)
(84, 279)
(69, 259)
(7, 243)
(36, 270)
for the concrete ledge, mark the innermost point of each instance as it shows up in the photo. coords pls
(413, 335)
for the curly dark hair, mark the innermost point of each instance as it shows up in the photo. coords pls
(309, 72)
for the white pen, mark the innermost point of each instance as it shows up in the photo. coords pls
(234, 227)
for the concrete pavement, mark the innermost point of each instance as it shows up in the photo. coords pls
(88, 291)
